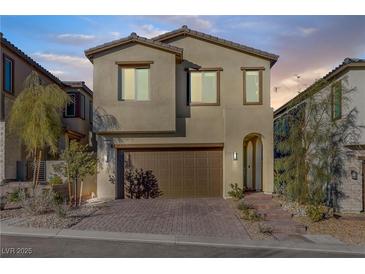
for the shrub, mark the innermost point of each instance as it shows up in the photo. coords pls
(40, 202)
(265, 229)
(14, 197)
(236, 192)
(141, 184)
(55, 180)
(250, 214)
(315, 213)
(61, 209)
(243, 206)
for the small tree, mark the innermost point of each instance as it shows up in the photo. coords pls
(36, 117)
(78, 162)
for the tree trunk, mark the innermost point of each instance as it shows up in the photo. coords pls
(81, 186)
(75, 194)
(69, 187)
(38, 167)
(34, 167)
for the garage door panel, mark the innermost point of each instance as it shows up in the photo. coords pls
(182, 173)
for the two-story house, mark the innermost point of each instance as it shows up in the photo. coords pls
(15, 66)
(346, 86)
(191, 107)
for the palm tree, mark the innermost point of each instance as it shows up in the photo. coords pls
(36, 118)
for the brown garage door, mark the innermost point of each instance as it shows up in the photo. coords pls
(181, 172)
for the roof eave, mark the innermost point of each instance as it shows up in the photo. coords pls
(188, 32)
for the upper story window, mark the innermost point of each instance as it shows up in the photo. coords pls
(336, 100)
(8, 70)
(134, 83)
(204, 87)
(252, 86)
(76, 106)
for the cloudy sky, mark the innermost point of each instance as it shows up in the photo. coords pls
(309, 46)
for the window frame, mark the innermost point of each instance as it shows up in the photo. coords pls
(74, 103)
(132, 65)
(5, 56)
(201, 70)
(333, 87)
(260, 71)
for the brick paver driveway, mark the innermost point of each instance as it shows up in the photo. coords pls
(209, 217)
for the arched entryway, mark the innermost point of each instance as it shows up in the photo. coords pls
(252, 166)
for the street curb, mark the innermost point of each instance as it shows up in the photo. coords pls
(178, 240)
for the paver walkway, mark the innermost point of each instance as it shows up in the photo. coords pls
(206, 217)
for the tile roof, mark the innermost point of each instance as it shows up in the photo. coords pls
(184, 30)
(78, 84)
(133, 37)
(346, 64)
(29, 60)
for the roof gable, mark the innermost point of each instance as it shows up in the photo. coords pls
(185, 31)
(134, 38)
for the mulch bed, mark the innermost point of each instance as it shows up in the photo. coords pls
(348, 228)
(48, 220)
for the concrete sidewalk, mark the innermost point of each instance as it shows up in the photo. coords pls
(179, 240)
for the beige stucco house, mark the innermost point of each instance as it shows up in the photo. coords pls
(348, 76)
(191, 107)
(15, 66)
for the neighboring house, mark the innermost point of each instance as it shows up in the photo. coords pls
(78, 115)
(191, 107)
(15, 67)
(349, 75)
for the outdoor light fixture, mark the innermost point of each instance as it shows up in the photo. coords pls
(235, 156)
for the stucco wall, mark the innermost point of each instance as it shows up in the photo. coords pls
(13, 149)
(228, 123)
(78, 124)
(157, 114)
(2, 151)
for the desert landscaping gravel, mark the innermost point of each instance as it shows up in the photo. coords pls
(48, 220)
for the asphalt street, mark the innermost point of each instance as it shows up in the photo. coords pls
(40, 247)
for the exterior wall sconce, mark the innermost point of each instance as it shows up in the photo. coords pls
(235, 156)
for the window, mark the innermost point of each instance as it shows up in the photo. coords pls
(82, 106)
(8, 68)
(76, 106)
(252, 86)
(134, 83)
(204, 87)
(71, 106)
(336, 101)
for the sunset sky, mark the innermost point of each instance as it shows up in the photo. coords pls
(309, 46)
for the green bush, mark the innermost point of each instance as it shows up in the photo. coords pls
(40, 202)
(265, 229)
(315, 213)
(55, 180)
(243, 206)
(14, 197)
(236, 192)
